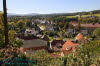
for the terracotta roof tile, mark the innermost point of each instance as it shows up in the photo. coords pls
(68, 45)
(79, 36)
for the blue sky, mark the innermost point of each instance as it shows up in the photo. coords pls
(50, 6)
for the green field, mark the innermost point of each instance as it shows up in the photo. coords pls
(98, 15)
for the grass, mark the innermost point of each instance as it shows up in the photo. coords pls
(98, 15)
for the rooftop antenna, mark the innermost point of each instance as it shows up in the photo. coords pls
(5, 23)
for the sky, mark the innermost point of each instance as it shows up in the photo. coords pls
(50, 6)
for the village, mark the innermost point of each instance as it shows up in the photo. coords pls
(33, 40)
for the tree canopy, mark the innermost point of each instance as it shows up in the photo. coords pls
(96, 32)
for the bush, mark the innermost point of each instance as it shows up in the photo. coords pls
(43, 58)
(16, 43)
(96, 32)
(50, 33)
(85, 55)
(8, 52)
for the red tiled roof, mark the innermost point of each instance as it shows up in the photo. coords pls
(68, 45)
(79, 36)
(86, 25)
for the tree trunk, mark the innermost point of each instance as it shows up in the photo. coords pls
(5, 23)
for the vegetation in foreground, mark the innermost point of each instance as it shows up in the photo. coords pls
(86, 55)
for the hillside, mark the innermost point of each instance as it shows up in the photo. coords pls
(84, 13)
(98, 15)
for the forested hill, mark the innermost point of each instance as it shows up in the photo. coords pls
(62, 14)
(59, 14)
(96, 11)
(77, 13)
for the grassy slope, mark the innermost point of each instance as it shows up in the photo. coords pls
(83, 16)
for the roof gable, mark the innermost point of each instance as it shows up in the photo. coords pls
(68, 44)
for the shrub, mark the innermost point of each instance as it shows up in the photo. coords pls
(96, 32)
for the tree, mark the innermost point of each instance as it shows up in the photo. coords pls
(1, 20)
(1, 30)
(96, 32)
(28, 24)
(20, 24)
(43, 58)
(11, 35)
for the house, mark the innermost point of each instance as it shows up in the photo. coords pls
(22, 31)
(86, 25)
(34, 32)
(49, 28)
(71, 31)
(68, 47)
(84, 32)
(27, 31)
(47, 22)
(81, 39)
(56, 44)
(79, 36)
(36, 44)
(39, 35)
(45, 38)
(42, 27)
(30, 32)
(56, 28)
(43, 21)
(33, 23)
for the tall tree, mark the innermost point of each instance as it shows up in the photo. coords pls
(96, 32)
(5, 22)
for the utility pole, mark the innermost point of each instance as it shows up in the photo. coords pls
(5, 23)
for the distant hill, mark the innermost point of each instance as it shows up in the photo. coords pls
(31, 14)
(58, 14)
